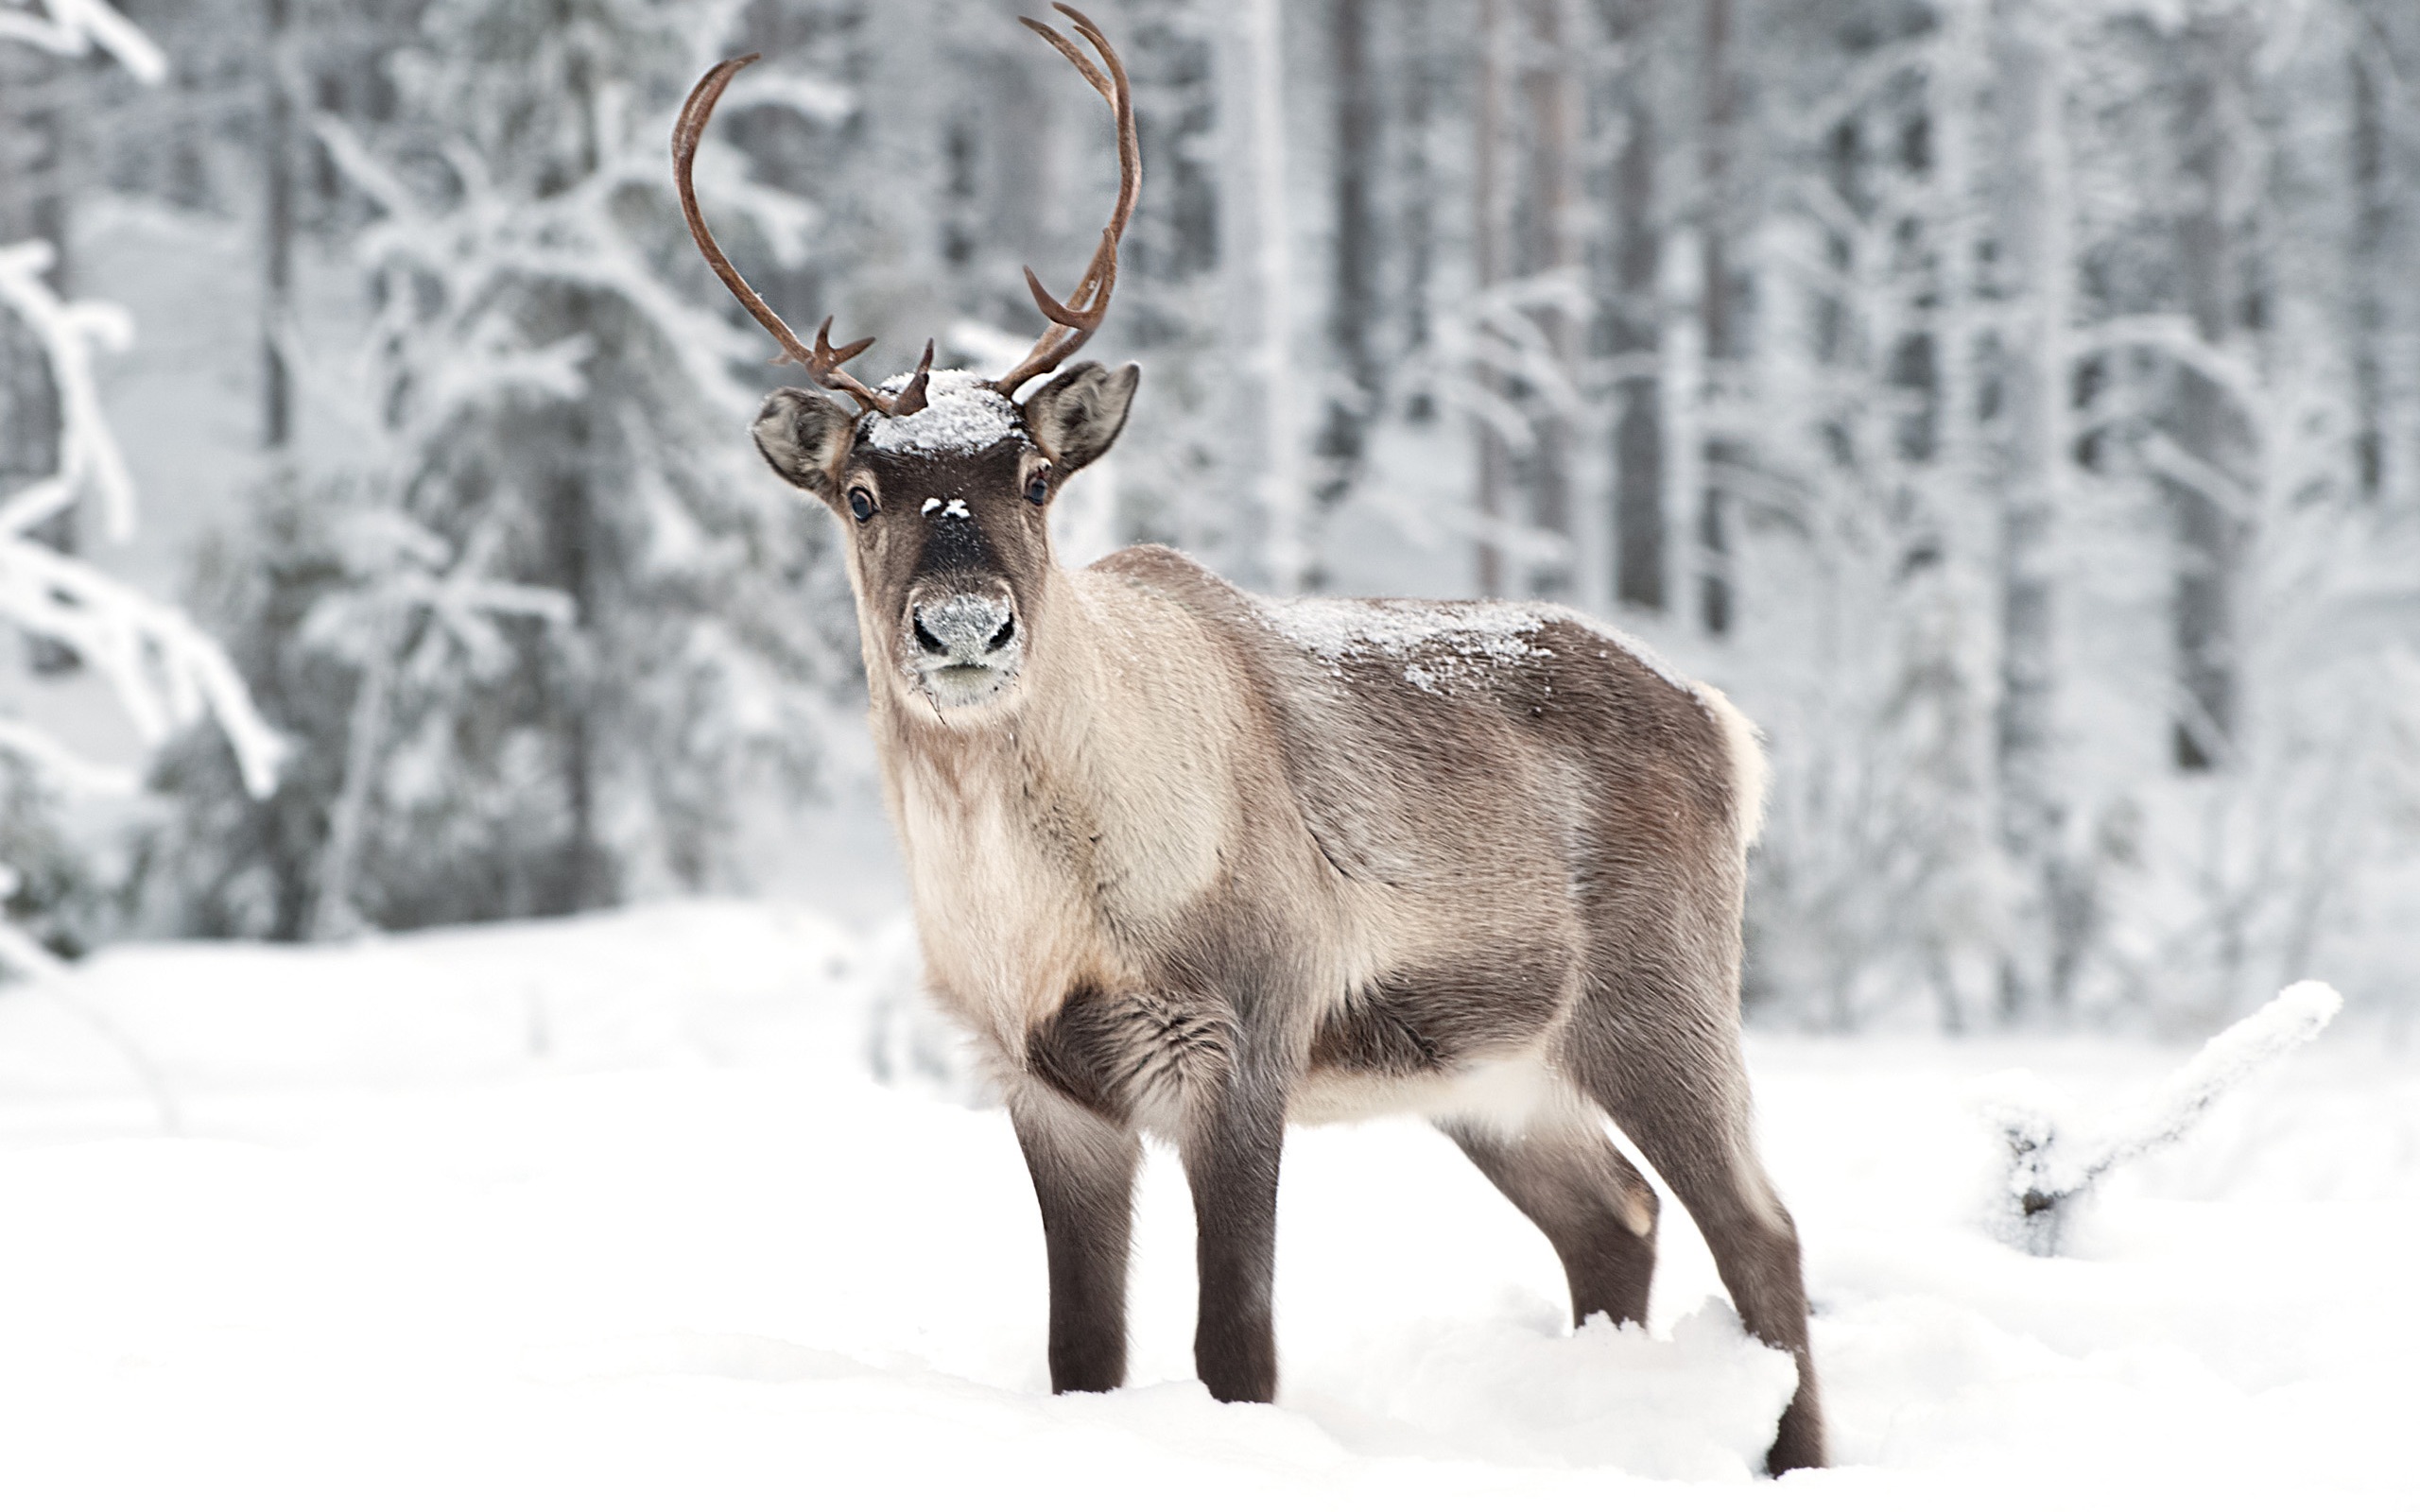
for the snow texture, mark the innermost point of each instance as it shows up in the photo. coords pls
(963, 415)
(606, 1212)
(1441, 644)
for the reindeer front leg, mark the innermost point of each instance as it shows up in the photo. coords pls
(1232, 1147)
(1083, 1176)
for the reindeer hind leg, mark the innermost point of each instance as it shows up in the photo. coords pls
(1590, 1201)
(1661, 1053)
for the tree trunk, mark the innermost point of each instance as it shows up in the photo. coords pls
(1417, 238)
(1546, 245)
(2030, 224)
(2372, 218)
(1487, 183)
(1257, 236)
(2207, 528)
(585, 878)
(1352, 291)
(277, 234)
(335, 914)
(1718, 302)
(1636, 328)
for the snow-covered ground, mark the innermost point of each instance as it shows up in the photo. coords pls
(608, 1212)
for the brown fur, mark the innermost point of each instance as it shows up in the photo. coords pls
(1180, 874)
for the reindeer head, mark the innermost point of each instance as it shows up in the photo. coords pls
(944, 480)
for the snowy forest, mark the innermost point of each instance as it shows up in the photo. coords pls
(2014, 405)
(463, 1037)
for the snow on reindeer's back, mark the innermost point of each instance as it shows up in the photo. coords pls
(963, 415)
(1442, 643)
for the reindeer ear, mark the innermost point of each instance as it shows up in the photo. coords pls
(805, 436)
(1078, 414)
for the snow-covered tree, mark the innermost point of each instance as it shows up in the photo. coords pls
(165, 673)
(577, 625)
(2015, 402)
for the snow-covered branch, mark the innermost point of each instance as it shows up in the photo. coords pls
(71, 29)
(410, 590)
(163, 670)
(2174, 337)
(2051, 1169)
(69, 335)
(488, 239)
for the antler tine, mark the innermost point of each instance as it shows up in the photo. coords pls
(1067, 49)
(912, 398)
(823, 366)
(1073, 324)
(1130, 150)
(824, 354)
(823, 363)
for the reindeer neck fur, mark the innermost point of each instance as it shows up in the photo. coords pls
(1053, 842)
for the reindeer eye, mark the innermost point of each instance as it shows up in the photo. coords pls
(861, 505)
(1038, 487)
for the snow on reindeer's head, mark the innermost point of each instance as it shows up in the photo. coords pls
(963, 416)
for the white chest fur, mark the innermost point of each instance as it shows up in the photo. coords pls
(1045, 848)
(1005, 927)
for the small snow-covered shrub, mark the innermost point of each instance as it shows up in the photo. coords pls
(2054, 1165)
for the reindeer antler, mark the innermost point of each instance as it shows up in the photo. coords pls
(1073, 324)
(823, 363)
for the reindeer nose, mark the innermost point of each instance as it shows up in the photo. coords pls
(966, 626)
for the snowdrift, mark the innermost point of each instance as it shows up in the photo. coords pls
(608, 1214)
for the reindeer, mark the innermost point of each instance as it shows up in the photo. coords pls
(1192, 863)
